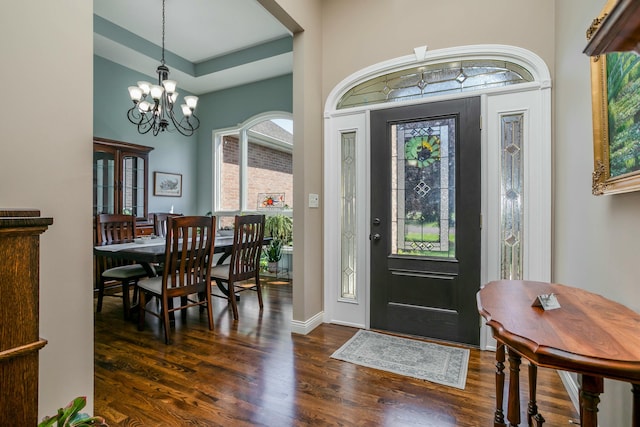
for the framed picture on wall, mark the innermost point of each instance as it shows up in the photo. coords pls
(615, 92)
(167, 184)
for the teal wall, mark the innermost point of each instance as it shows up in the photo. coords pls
(230, 107)
(190, 156)
(172, 152)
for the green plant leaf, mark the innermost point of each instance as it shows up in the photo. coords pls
(279, 227)
(70, 416)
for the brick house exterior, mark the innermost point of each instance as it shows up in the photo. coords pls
(269, 168)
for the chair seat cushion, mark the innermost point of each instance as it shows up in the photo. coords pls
(220, 272)
(152, 284)
(125, 272)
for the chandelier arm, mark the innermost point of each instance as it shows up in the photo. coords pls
(143, 122)
(185, 126)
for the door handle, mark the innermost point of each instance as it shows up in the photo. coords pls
(374, 237)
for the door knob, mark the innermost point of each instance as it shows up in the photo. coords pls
(375, 237)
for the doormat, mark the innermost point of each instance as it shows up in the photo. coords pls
(442, 364)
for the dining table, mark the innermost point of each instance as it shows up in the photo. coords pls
(150, 251)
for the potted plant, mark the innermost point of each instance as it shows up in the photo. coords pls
(274, 254)
(70, 416)
(279, 227)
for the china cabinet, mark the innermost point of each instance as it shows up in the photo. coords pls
(120, 178)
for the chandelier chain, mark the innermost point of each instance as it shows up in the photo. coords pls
(163, 2)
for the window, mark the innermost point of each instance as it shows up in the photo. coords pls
(435, 79)
(253, 169)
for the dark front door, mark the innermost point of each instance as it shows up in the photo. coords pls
(425, 214)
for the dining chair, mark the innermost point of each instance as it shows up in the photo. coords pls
(160, 223)
(114, 229)
(248, 235)
(187, 271)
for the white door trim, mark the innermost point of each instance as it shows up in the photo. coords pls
(537, 251)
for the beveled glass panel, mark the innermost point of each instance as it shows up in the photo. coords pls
(104, 177)
(423, 188)
(348, 201)
(511, 196)
(133, 173)
(435, 79)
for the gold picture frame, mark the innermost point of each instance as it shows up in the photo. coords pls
(625, 178)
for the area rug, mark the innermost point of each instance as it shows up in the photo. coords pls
(440, 364)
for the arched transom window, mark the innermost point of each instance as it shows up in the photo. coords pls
(435, 79)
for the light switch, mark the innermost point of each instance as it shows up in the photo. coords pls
(313, 200)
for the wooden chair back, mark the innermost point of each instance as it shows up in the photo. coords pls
(112, 229)
(160, 223)
(188, 271)
(248, 235)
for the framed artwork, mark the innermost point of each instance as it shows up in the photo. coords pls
(615, 92)
(270, 201)
(167, 184)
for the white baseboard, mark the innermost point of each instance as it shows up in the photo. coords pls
(572, 387)
(342, 323)
(303, 328)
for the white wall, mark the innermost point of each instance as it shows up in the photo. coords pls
(596, 238)
(45, 163)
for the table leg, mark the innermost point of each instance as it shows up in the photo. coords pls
(149, 268)
(513, 411)
(635, 420)
(498, 420)
(590, 390)
(533, 417)
(126, 300)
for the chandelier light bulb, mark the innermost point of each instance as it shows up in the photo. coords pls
(156, 92)
(144, 106)
(186, 111)
(135, 93)
(170, 86)
(145, 87)
(173, 97)
(191, 101)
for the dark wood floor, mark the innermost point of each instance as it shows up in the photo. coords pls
(255, 372)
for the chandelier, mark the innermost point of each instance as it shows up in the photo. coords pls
(153, 105)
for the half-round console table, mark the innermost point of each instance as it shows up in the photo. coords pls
(20, 342)
(588, 334)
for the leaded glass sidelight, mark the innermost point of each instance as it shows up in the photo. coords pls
(348, 202)
(511, 196)
(423, 188)
(436, 79)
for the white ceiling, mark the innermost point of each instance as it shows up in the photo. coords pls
(196, 30)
